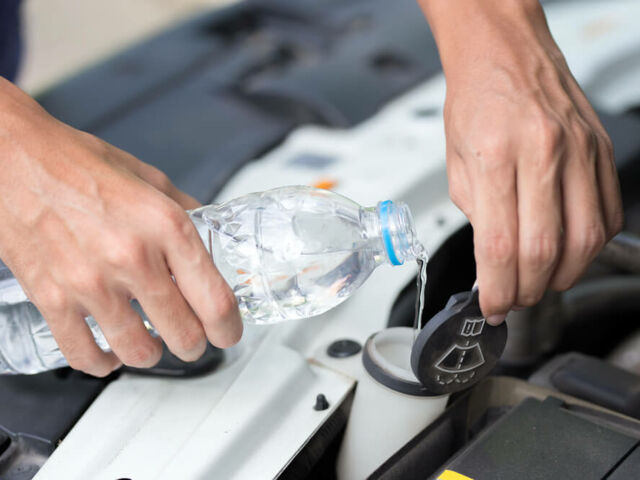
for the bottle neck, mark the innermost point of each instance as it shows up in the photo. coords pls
(391, 224)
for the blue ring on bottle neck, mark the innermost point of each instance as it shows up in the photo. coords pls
(386, 234)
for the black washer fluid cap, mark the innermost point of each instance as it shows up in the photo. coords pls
(457, 348)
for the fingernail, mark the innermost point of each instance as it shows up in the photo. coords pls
(496, 319)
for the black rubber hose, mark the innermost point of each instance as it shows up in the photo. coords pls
(601, 297)
(622, 252)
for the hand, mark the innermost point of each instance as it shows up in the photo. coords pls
(87, 227)
(528, 161)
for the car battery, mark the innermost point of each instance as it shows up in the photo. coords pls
(542, 440)
(508, 429)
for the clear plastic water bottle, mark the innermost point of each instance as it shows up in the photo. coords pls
(288, 253)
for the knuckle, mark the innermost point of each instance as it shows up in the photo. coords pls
(100, 369)
(141, 355)
(540, 252)
(591, 241)
(79, 363)
(226, 322)
(126, 252)
(136, 349)
(86, 359)
(498, 300)
(528, 299)
(90, 365)
(584, 137)
(100, 372)
(73, 351)
(456, 196)
(549, 131)
(617, 223)
(607, 144)
(86, 281)
(190, 342)
(176, 221)
(492, 149)
(158, 179)
(53, 298)
(230, 339)
(93, 143)
(226, 305)
(235, 338)
(497, 250)
(562, 284)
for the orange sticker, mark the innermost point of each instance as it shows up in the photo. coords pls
(325, 183)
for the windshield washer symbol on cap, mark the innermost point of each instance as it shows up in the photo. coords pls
(462, 359)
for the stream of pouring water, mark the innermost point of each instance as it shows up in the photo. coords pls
(422, 259)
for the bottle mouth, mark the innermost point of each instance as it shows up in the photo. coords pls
(398, 231)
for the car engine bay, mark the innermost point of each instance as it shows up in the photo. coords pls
(266, 93)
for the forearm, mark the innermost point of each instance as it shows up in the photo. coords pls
(468, 31)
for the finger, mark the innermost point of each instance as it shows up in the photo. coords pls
(204, 288)
(126, 334)
(459, 185)
(608, 181)
(539, 223)
(495, 230)
(172, 317)
(584, 229)
(183, 199)
(76, 342)
(609, 185)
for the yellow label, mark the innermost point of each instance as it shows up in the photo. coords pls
(451, 475)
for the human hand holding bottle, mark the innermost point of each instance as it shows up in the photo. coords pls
(528, 161)
(88, 227)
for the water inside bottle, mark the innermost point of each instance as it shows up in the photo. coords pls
(300, 265)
